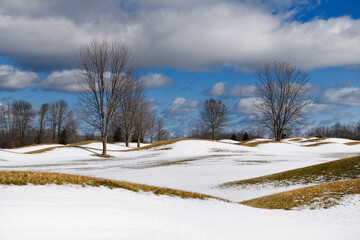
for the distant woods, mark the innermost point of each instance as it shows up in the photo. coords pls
(21, 124)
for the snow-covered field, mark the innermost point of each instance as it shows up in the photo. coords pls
(69, 212)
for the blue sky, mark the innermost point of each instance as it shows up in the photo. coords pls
(188, 51)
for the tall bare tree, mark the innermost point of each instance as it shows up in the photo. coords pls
(23, 114)
(43, 119)
(54, 109)
(107, 67)
(214, 115)
(283, 90)
(63, 114)
(143, 120)
(129, 105)
(161, 133)
(59, 112)
(7, 124)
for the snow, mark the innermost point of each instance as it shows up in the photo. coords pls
(68, 212)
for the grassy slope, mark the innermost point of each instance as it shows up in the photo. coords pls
(347, 168)
(43, 178)
(319, 196)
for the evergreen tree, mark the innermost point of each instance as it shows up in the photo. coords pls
(117, 135)
(245, 137)
(233, 137)
(64, 137)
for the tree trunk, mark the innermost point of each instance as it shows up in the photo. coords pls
(138, 141)
(213, 134)
(127, 139)
(104, 140)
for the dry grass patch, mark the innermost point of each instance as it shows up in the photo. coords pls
(352, 143)
(316, 144)
(43, 178)
(83, 143)
(314, 140)
(43, 150)
(35, 145)
(294, 139)
(256, 143)
(314, 197)
(347, 168)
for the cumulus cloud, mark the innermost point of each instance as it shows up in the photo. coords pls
(157, 80)
(181, 34)
(349, 96)
(61, 81)
(319, 108)
(219, 89)
(182, 106)
(244, 106)
(13, 79)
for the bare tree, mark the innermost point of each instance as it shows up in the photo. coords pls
(129, 104)
(152, 127)
(161, 133)
(142, 121)
(283, 90)
(7, 126)
(23, 114)
(106, 69)
(59, 112)
(214, 115)
(63, 114)
(54, 109)
(43, 119)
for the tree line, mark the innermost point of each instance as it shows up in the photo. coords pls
(338, 130)
(21, 124)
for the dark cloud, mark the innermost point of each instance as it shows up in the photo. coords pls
(44, 34)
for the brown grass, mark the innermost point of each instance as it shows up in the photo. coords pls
(319, 196)
(352, 143)
(314, 140)
(316, 144)
(347, 168)
(83, 143)
(43, 178)
(295, 139)
(256, 143)
(34, 145)
(43, 150)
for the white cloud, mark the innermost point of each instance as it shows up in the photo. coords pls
(245, 106)
(344, 96)
(319, 108)
(13, 79)
(62, 81)
(181, 34)
(219, 89)
(182, 106)
(157, 80)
